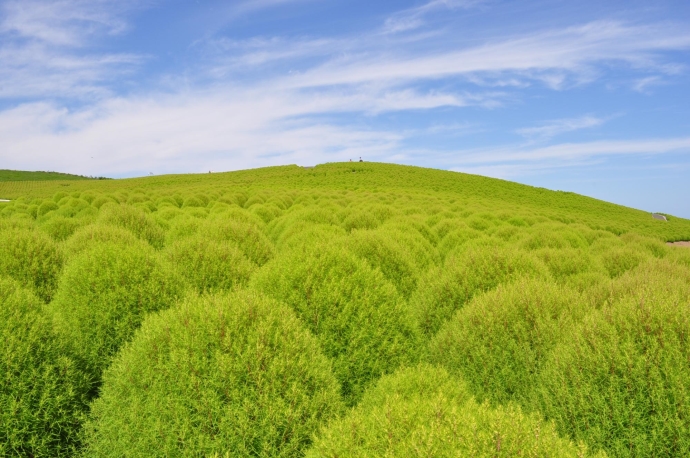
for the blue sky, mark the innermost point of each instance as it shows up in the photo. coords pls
(588, 96)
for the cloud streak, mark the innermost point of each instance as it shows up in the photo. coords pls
(556, 127)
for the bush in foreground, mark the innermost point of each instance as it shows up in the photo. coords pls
(619, 380)
(425, 412)
(104, 294)
(235, 374)
(43, 392)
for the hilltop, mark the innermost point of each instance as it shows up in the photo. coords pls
(494, 194)
(20, 175)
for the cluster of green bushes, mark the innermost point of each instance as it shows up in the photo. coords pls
(289, 312)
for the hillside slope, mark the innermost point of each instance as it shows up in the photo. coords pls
(20, 175)
(493, 194)
(342, 310)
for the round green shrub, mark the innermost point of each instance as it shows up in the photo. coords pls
(134, 220)
(192, 202)
(234, 375)
(384, 253)
(565, 262)
(619, 380)
(303, 235)
(423, 253)
(32, 258)
(554, 236)
(60, 227)
(248, 237)
(654, 276)
(443, 290)
(43, 391)
(424, 412)
(104, 294)
(619, 260)
(499, 341)
(456, 238)
(99, 201)
(653, 246)
(47, 206)
(267, 212)
(210, 265)
(96, 234)
(357, 315)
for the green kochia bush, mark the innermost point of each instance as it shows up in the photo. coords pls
(134, 220)
(248, 237)
(43, 392)
(95, 234)
(423, 412)
(60, 227)
(104, 294)
(383, 252)
(357, 315)
(31, 258)
(619, 380)
(234, 375)
(476, 269)
(499, 341)
(210, 265)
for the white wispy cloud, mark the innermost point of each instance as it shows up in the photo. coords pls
(45, 47)
(63, 22)
(556, 127)
(550, 56)
(413, 18)
(515, 160)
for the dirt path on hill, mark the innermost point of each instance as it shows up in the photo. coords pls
(685, 244)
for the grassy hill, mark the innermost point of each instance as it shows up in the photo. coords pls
(19, 175)
(343, 310)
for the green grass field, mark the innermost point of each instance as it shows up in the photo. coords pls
(17, 175)
(348, 309)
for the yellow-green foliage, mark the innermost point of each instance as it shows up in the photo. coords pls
(619, 379)
(97, 234)
(31, 258)
(498, 342)
(235, 375)
(357, 315)
(425, 412)
(473, 270)
(210, 265)
(104, 294)
(527, 296)
(43, 391)
(134, 220)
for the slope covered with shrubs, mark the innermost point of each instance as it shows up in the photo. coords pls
(343, 310)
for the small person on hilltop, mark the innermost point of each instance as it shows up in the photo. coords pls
(360, 159)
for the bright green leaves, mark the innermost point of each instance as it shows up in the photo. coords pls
(425, 412)
(43, 389)
(234, 374)
(356, 314)
(105, 293)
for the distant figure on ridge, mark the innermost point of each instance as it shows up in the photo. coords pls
(360, 159)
